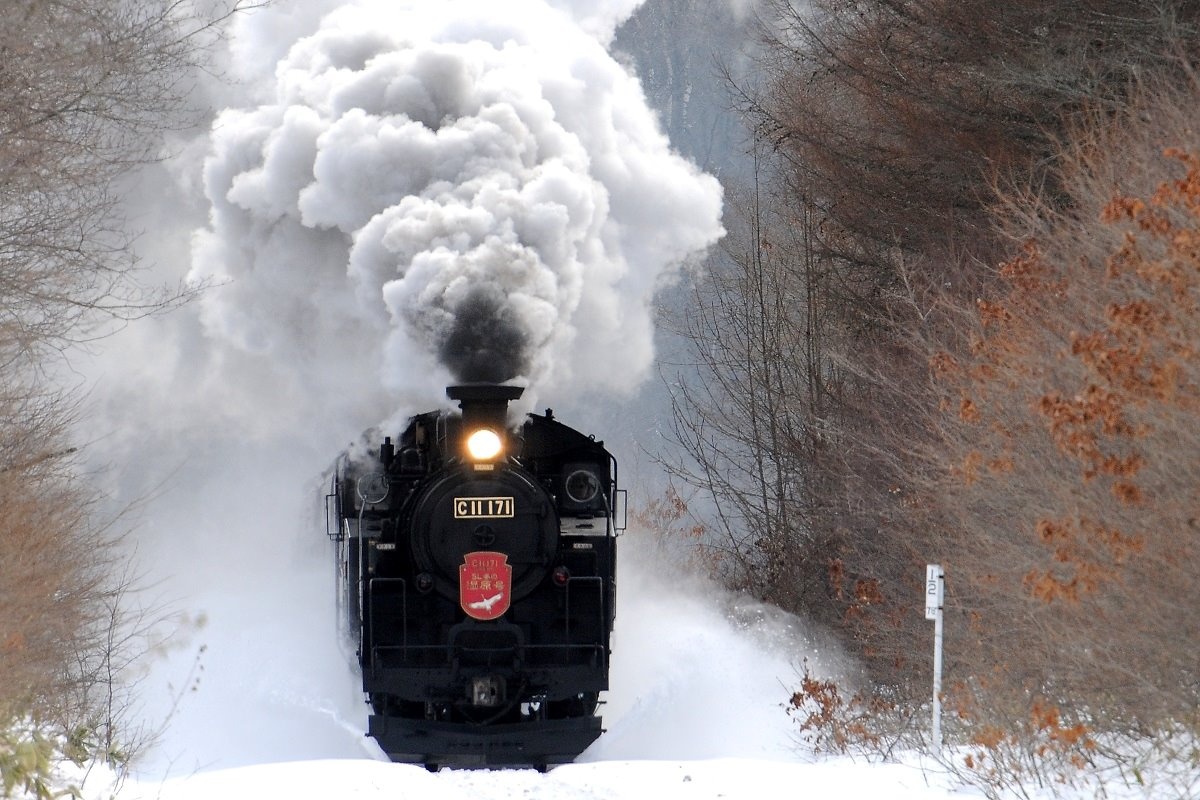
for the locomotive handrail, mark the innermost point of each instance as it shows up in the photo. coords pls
(612, 502)
(441, 432)
(624, 505)
(362, 555)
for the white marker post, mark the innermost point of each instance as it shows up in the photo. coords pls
(935, 595)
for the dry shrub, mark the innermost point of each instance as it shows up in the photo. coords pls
(831, 719)
(676, 534)
(55, 564)
(67, 638)
(876, 395)
(1055, 478)
(1070, 428)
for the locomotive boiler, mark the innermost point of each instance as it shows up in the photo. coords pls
(477, 568)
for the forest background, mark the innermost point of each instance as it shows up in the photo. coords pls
(956, 322)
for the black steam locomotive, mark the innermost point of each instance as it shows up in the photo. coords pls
(477, 564)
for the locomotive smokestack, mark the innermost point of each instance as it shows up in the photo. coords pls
(484, 404)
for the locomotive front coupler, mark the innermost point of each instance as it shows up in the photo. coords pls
(487, 691)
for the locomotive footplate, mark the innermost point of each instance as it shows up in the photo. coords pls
(419, 741)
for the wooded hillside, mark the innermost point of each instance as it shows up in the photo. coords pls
(957, 323)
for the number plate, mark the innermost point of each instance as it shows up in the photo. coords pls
(483, 507)
(935, 588)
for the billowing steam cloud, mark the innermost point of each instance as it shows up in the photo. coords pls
(405, 194)
(464, 190)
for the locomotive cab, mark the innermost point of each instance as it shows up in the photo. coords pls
(477, 562)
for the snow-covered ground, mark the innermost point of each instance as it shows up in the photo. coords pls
(695, 710)
(726, 778)
(254, 692)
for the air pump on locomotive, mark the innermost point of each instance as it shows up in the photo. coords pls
(477, 566)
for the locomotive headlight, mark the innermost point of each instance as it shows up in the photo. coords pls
(484, 444)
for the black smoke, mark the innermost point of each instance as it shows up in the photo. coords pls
(486, 343)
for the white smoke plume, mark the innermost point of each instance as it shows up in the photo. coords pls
(399, 195)
(440, 192)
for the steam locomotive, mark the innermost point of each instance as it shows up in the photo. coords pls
(477, 568)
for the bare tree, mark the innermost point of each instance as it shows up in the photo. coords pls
(750, 398)
(899, 113)
(87, 88)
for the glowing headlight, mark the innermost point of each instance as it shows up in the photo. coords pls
(483, 444)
